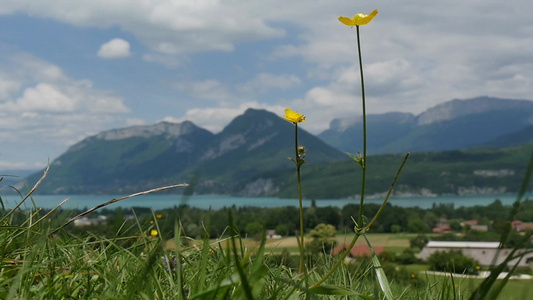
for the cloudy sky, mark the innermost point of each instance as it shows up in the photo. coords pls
(70, 69)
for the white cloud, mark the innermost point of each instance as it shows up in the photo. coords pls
(46, 107)
(168, 60)
(212, 89)
(43, 97)
(8, 165)
(115, 48)
(7, 88)
(135, 122)
(77, 96)
(207, 89)
(266, 81)
(215, 119)
(168, 27)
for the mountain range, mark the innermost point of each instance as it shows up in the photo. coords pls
(143, 157)
(455, 124)
(250, 155)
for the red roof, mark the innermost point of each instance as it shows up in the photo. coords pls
(471, 222)
(442, 229)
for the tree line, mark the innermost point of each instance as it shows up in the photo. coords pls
(251, 221)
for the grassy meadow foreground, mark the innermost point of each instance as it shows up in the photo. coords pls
(140, 254)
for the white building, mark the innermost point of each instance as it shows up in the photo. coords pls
(483, 252)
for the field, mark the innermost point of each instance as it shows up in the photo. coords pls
(391, 242)
(513, 290)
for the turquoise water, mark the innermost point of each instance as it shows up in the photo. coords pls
(163, 201)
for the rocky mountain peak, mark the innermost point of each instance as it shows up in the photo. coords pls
(391, 117)
(458, 108)
(163, 128)
(167, 129)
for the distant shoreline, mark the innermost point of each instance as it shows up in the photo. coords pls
(163, 201)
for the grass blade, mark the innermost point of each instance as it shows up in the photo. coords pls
(333, 290)
(380, 274)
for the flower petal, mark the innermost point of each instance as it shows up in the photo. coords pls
(362, 19)
(358, 19)
(293, 116)
(347, 21)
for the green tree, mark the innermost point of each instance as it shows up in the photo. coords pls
(431, 219)
(254, 229)
(452, 261)
(417, 226)
(407, 257)
(323, 238)
(282, 230)
(396, 228)
(419, 241)
(455, 225)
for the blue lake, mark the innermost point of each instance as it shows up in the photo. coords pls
(162, 201)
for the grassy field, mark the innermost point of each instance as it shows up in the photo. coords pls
(513, 290)
(391, 242)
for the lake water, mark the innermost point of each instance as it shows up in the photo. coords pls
(163, 201)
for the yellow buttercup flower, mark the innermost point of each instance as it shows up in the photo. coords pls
(154, 232)
(293, 116)
(358, 19)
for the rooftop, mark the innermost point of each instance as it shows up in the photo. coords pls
(454, 244)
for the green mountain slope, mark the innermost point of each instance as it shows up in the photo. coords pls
(143, 157)
(457, 172)
(519, 137)
(122, 160)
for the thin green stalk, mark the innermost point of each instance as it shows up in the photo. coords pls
(367, 227)
(359, 225)
(358, 233)
(338, 263)
(359, 229)
(363, 163)
(298, 166)
(117, 200)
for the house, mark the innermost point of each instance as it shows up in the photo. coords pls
(484, 252)
(443, 226)
(479, 227)
(358, 250)
(445, 229)
(519, 226)
(470, 223)
(474, 225)
(271, 234)
(84, 221)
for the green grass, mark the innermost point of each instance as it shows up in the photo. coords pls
(134, 265)
(513, 290)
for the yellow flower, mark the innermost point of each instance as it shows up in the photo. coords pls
(358, 19)
(154, 232)
(293, 116)
(159, 216)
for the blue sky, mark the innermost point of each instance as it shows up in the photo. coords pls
(70, 69)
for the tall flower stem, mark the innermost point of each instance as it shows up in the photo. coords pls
(359, 225)
(363, 162)
(295, 118)
(300, 201)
